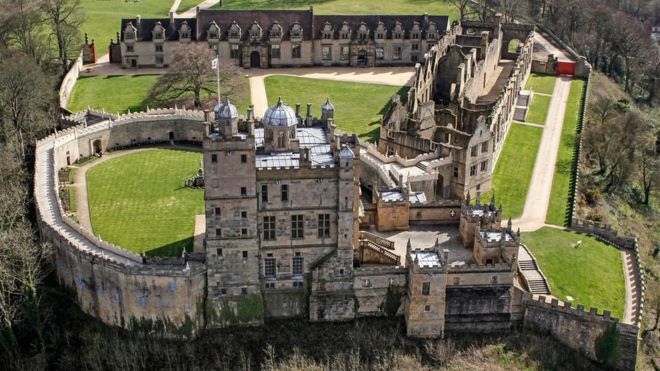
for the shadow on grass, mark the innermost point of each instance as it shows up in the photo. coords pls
(272, 4)
(173, 249)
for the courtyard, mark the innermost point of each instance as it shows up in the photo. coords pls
(138, 201)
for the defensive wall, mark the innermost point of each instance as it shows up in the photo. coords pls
(69, 81)
(581, 330)
(158, 296)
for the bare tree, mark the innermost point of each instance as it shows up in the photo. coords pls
(190, 74)
(65, 18)
(462, 6)
(26, 96)
(512, 9)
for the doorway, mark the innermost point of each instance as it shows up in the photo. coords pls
(255, 60)
(96, 145)
(362, 58)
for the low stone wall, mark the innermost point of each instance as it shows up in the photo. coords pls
(70, 79)
(578, 329)
(582, 67)
(577, 154)
(156, 296)
(433, 214)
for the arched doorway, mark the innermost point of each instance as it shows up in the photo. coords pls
(255, 60)
(514, 46)
(96, 145)
(362, 58)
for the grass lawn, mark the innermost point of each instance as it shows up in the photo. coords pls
(139, 202)
(538, 110)
(562, 178)
(103, 17)
(437, 7)
(123, 93)
(513, 172)
(112, 93)
(592, 274)
(73, 202)
(187, 4)
(362, 119)
(544, 84)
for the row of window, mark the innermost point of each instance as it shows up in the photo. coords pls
(297, 227)
(483, 167)
(270, 267)
(474, 150)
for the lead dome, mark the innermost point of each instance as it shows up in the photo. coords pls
(225, 110)
(280, 115)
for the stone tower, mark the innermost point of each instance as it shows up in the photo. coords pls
(232, 244)
(425, 300)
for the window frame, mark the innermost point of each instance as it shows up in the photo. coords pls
(323, 226)
(297, 227)
(269, 227)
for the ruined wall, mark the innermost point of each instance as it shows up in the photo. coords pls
(578, 329)
(434, 214)
(155, 296)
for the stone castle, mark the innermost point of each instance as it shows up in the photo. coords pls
(303, 221)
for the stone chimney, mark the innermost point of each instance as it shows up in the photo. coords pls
(309, 118)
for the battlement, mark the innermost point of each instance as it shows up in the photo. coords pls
(476, 268)
(567, 308)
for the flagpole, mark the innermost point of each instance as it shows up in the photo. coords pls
(217, 74)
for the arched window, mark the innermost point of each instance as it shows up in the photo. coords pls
(280, 140)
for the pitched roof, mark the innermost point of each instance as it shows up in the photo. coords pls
(389, 21)
(144, 27)
(265, 19)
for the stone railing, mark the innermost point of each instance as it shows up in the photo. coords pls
(383, 242)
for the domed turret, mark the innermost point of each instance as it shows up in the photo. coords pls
(327, 111)
(225, 110)
(280, 115)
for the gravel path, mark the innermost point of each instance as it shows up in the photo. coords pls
(540, 189)
(396, 76)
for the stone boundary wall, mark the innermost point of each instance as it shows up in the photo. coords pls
(577, 154)
(582, 67)
(579, 329)
(69, 81)
(156, 296)
(605, 232)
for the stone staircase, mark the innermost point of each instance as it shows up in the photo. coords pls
(531, 272)
(422, 166)
(380, 250)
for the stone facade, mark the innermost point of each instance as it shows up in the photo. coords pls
(284, 38)
(461, 104)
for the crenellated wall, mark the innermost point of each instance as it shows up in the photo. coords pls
(578, 329)
(163, 297)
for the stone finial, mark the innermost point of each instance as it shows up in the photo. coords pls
(408, 245)
(492, 200)
(518, 232)
(478, 198)
(509, 224)
(437, 242)
(467, 198)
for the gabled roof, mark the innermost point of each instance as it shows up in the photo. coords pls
(145, 26)
(389, 21)
(265, 19)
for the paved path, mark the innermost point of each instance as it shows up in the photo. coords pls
(633, 291)
(396, 76)
(540, 189)
(190, 13)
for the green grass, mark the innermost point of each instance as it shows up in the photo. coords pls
(513, 46)
(436, 7)
(562, 179)
(112, 93)
(544, 84)
(513, 172)
(362, 118)
(103, 17)
(592, 274)
(538, 110)
(139, 202)
(187, 4)
(73, 201)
